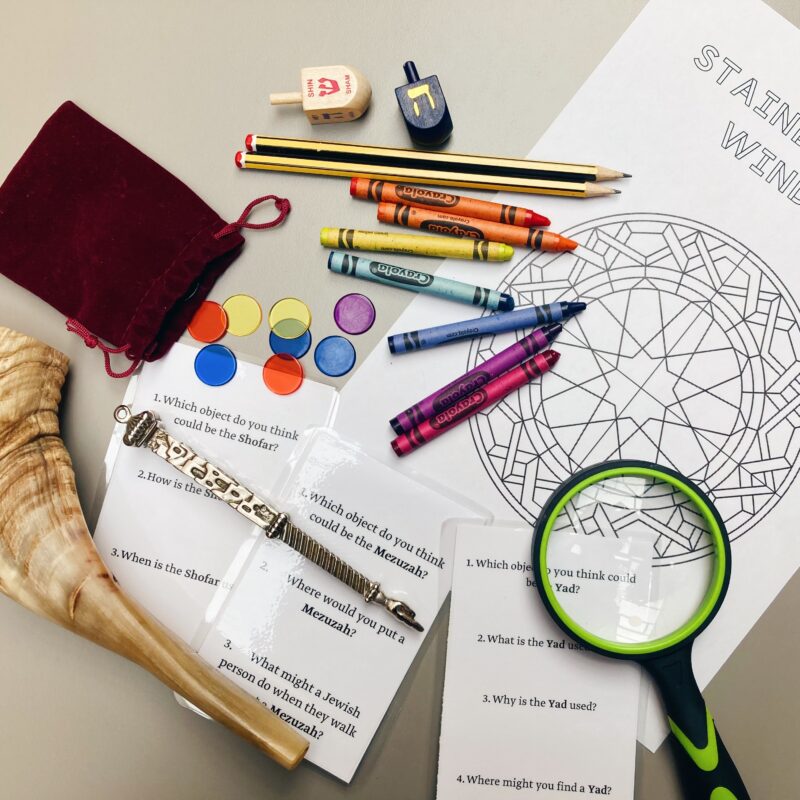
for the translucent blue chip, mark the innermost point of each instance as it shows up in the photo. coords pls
(294, 347)
(215, 365)
(335, 356)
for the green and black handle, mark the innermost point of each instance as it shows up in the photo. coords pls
(706, 770)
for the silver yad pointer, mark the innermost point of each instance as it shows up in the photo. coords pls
(145, 429)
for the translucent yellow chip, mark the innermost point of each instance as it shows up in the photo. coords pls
(244, 314)
(289, 318)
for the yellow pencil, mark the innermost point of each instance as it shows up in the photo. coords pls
(384, 242)
(465, 176)
(433, 159)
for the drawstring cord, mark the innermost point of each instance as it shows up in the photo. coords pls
(281, 203)
(90, 340)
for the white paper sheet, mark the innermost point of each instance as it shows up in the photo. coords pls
(309, 647)
(524, 708)
(689, 352)
(167, 543)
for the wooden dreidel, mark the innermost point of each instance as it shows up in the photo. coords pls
(424, 108)
(329, 94)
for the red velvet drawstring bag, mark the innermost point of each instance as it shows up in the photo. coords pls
(111, 239)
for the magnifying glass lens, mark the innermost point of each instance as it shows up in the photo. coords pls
(629, 560)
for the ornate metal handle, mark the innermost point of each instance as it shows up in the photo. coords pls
(145, 429)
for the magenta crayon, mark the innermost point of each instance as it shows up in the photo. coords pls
(474, 402)
(478, 376)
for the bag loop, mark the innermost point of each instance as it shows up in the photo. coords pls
(91, 341)
(281, 203)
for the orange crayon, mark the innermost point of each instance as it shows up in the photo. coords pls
(446, 202)
(471, 228)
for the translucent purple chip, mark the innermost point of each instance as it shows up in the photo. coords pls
(354, 313)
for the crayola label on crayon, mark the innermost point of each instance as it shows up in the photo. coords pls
(427, 196)
(457, 389)
(400, 274)
(451, 228)
(461, 409)
(463, 332)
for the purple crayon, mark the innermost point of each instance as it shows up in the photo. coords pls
(478, 376)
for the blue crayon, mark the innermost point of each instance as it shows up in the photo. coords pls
(470, 328)
(416, 281)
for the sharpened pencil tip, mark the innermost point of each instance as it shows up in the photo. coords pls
(626, 175)
(617, 191)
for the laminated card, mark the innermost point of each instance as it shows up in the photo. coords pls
(169, 542)
(306, 645)
(523, 704)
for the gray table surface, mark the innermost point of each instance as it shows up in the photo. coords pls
(184, 81)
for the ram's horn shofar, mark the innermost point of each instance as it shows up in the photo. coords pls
(48, 562)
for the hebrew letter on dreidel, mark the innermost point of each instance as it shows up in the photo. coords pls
(327, 86)
(421, 91)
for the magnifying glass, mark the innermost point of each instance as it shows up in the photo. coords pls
(611, 565)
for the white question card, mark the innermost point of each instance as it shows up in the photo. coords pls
(527, 712)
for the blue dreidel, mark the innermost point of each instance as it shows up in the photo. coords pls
(424, 108)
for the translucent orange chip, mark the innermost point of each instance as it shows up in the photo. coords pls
(283, 374)
(209, 322)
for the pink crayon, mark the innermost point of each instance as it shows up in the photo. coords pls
(478, 376)
(478, 400)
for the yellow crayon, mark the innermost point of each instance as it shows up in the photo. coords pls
(384, 242)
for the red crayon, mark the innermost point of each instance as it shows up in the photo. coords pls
(433, 200)
(470, 405)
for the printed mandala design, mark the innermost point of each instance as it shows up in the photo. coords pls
(688, 355)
